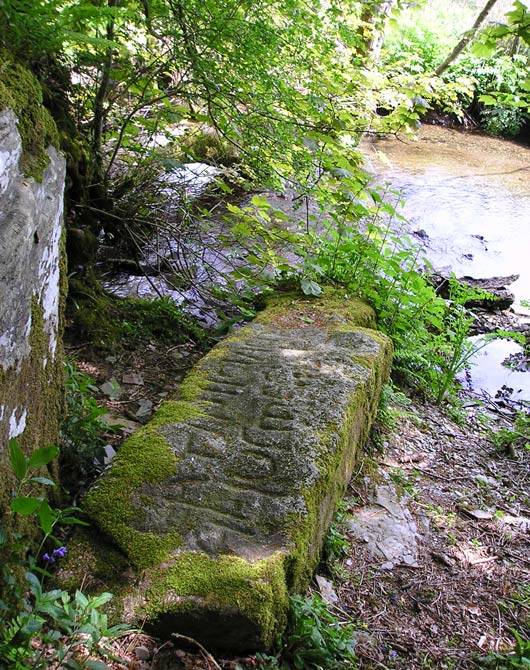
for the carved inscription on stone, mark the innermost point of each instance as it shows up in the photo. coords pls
(243, 465)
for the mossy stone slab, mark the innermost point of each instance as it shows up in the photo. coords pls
(222, 502)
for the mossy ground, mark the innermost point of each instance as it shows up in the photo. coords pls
(111, 323)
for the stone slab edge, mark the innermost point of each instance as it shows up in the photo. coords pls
(223, 571)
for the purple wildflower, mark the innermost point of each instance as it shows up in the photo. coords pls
(60, 552)
(48, 558)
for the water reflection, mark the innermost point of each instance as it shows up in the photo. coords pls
(471, 196)
(468, 199)
(489, 374)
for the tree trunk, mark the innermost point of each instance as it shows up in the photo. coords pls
(466, 39)
(100, 111)
(374, 15)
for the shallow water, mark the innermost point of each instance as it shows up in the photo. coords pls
(468, 196)
(469, 193)
(488, 373)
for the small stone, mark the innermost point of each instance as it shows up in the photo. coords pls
(110, 452)
(410, 561)
(111, 389)
(142, 653)
(125, 425)
(144, 411)
(479, 514)
(326, 590)
(133, 378)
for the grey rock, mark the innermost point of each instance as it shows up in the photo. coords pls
(256, 455)
(388, 529)
(326, 590)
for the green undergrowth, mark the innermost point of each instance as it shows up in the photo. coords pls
(41, 627)
(315, 639)
(111, 323)
(517, 659)
(83, 432)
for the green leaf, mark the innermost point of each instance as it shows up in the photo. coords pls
(32, 579)
(47, 517)
(81, 599)
(71, 520)
(17, 458)
(310, 287)
(487, 99)
(43, 480)
(42, 456)
(96, 665)
(100, 600)
(260, 202)
(25, 505)
(234, 209)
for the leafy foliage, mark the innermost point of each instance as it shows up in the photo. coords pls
(518, 659)
(83, 431)
(506, 439)
(336, 543)
(40, 628)
(490, 83)
(314, 640)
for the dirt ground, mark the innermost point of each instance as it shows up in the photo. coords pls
(469, 583)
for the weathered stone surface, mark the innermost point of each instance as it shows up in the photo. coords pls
(388, 528)
(222, 501)
(31, 292)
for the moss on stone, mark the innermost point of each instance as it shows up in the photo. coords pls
(39, 390)
(144, 458)
(332, 309)
(190, 587)
(224, 584)
(339, 449)
(21, 92)
(174, 411)
(193, 384)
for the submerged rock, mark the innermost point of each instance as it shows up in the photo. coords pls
(219, 506)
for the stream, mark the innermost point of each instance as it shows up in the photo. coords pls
(467, 199)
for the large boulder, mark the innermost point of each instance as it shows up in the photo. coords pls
(217, 510)
(32, 284)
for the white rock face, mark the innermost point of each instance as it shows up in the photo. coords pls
(30, 241)
(30, 234)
